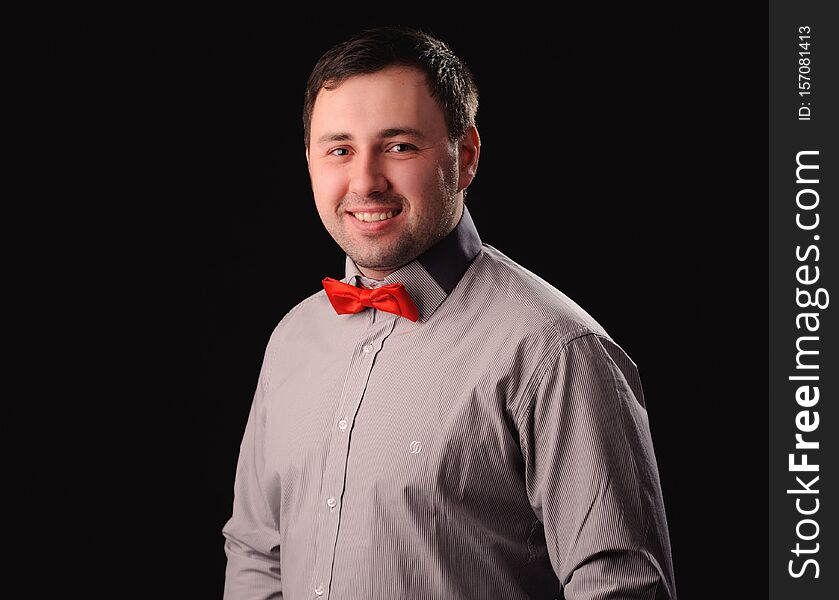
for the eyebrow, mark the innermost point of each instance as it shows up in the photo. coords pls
(383, 134)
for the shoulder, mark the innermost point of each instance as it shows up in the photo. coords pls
(530, 302)
(301, 317)
(296, 325)
(560, 333)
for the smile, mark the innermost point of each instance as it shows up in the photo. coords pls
(372, 217)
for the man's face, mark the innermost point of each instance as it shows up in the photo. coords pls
(386, 179)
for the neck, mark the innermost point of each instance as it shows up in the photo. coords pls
(370, 283)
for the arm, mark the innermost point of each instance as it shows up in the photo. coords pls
(592, 477)
(252, 538)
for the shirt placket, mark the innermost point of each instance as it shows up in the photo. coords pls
(379, 326)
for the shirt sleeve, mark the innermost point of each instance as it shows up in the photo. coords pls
(252, 539)
(592, 477)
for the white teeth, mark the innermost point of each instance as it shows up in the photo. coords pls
(371, 217)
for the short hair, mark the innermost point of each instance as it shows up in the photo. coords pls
(449, 79)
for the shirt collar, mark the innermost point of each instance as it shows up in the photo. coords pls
(432, 276)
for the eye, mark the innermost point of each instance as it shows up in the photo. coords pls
(339, 152)
(401, 148)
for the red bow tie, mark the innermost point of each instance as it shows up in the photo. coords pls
(392, 298)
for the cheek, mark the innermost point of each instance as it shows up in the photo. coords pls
(446, 174)
(420, 181)
(443, 184)
(328, 185)
(449, 175)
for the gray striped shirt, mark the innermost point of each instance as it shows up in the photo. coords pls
(497, 448)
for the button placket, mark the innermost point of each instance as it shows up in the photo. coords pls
(338, 454)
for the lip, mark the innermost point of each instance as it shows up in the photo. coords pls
(374, 226)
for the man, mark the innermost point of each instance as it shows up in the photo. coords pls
(441, 423)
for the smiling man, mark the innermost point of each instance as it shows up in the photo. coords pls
(385, 174)
(440, 423)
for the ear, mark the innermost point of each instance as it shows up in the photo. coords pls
(469, 150)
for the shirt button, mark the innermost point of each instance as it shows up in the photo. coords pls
(331, 502)
(368, 348)
(342, 424)
(319, 590)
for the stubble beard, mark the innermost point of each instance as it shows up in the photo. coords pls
(380, 256)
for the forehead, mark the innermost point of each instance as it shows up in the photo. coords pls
(395, 97)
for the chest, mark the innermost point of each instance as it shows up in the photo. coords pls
(387, 413)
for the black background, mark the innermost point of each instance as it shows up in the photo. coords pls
(160, 223)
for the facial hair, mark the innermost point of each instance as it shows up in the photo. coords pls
(410, 243)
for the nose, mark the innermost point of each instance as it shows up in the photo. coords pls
(366, 175)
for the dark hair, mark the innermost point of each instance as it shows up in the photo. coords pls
(450, 81)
